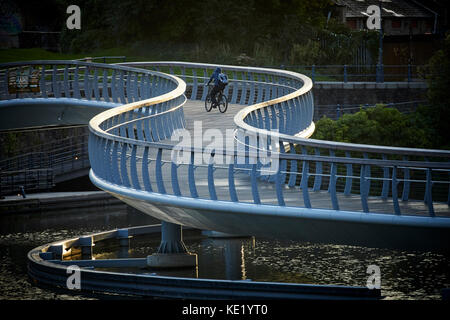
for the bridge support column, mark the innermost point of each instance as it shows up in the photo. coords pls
(172, 252)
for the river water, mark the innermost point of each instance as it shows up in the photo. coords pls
(404, 274)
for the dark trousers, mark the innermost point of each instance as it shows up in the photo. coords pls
(215, 90)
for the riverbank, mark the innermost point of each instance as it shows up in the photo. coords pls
(53, 201)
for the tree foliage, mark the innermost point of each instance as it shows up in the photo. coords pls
(294, 31)
(438, 114)
(198, 20)
(268, 31)
(427, 127)
(378, 125)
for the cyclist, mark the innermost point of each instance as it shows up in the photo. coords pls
(220, 81)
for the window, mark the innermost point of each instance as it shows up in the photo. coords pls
(396, 24)
(414, 24)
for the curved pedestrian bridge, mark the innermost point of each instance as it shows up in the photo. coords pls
(252, 170)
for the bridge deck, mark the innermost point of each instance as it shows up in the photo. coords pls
(195, 111)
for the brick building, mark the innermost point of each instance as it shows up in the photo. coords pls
(411, 29)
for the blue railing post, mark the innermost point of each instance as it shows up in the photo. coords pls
(338, 111)
(293, 173)
(363, 188)
(385, 189)
(174, 176)
(333, 180)
(211, 187)
(191, 177)
(318, 177)
(348, 179)
(304, 184)
(158, 172)
(313, 69)
(428, 193)
(231, 185)
(394, 191)
(145, 173)
(279, 184)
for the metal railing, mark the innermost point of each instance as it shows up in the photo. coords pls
(127, 155)
(104, 59)
(23, 181)
(56, 158)
(80, 80)
(360, 73)
(87, 81)
(290, 112)
(48, 154)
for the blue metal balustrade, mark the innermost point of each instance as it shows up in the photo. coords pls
(131, 157)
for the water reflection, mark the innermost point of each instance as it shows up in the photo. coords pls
(19, 233)
(103, 218)
(233, 255)
(404, 274)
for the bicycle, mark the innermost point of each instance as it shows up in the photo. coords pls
(222, 100)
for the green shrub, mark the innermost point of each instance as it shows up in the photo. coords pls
(306, 54)
(378, 126)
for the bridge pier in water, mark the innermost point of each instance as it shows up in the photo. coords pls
(172, 252)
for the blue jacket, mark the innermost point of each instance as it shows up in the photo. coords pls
(215, 76)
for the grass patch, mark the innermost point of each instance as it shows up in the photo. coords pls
(11, 55)
(152, 52)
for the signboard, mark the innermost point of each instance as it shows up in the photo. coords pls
(23, 80)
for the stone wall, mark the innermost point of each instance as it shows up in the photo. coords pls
(17, 142)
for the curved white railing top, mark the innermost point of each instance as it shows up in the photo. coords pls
(176, 92)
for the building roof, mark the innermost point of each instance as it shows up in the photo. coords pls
(389, 8)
